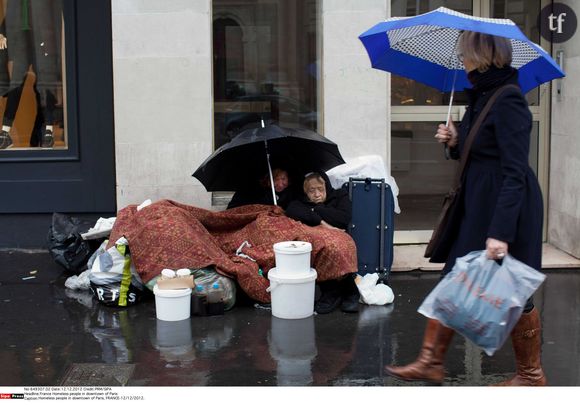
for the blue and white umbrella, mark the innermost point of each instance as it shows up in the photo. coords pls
(424, 48)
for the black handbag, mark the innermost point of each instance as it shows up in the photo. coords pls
(439, 245)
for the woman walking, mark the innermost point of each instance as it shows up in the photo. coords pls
(500, 208)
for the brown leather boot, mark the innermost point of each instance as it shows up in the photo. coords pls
(429, 363)
(527, 341)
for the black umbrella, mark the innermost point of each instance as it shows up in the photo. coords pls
(247, 157)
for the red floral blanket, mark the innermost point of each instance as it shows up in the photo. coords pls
(168, 234)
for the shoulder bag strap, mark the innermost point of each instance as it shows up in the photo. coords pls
(474, 130)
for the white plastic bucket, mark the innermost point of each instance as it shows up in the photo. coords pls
(172, 305)
(292, 297)
(292, 258)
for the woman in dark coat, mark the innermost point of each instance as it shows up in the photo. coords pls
(500, 208)
(322, 205)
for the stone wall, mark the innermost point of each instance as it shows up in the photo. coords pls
(356, 97)
(163, 98)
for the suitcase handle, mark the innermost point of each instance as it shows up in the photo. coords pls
(367, 184)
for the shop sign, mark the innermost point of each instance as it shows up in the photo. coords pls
(557, 23)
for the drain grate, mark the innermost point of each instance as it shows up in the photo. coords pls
(97, 374)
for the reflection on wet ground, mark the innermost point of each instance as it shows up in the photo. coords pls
(52, 336)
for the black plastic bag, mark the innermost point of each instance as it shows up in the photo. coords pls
(65, 244)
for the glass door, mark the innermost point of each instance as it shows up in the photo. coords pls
(418, 163)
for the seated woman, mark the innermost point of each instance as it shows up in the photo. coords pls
(322, 205)
(261, 193)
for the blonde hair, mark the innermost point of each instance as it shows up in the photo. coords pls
(313, 176)
(484, 50)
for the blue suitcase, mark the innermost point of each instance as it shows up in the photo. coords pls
(372, 225)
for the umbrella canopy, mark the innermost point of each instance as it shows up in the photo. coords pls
(423, 48)
(244, 159)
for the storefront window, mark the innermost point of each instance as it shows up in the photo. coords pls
(423, 175)
(522, 12)
(266, 65)
(31, 75)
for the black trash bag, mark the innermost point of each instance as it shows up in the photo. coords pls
(65, 244)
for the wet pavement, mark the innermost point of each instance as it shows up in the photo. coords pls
(55, 336)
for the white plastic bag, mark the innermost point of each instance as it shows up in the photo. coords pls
(101, 229)
(372, 293)
(371, 166)
(80, 282)
(114, 280)
(482, 299)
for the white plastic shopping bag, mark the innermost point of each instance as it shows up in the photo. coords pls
(372, 293)
(114, 280)
(482, 299)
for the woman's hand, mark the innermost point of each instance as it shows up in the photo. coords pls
(447, 134)
(495, 249)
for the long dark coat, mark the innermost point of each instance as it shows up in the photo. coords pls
(500, 195)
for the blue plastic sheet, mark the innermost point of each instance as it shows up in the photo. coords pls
(483, 299)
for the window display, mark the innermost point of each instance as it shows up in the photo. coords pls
(31, 75)
(266, 64)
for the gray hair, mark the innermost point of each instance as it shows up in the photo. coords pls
(313, 176)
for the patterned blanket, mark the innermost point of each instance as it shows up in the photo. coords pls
(168, 234)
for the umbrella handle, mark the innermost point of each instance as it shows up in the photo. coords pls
(445, 146)
(270, 171)
(271, 179)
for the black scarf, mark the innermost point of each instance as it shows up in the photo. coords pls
(491, 78)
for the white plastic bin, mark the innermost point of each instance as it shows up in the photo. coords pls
(292, 297)
(292, 258)
(172, 305)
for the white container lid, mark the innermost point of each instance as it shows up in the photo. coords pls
(168, 273)
(175, 293)
(273, 275)
(183, 272)
(293, 247)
